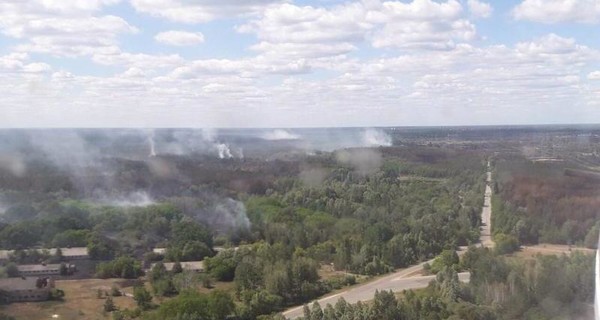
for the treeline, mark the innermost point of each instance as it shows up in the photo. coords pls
(538, 202)
(548, 287)
(372, 224)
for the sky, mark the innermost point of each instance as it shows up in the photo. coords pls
(298, 63)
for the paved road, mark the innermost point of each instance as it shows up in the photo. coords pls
(395, 282)
(486, 213)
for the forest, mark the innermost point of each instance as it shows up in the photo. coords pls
(546, 202)
(282, 227)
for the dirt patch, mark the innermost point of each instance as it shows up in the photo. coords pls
(549, 249)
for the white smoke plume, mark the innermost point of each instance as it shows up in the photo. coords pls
(232, 214)
(376, 138)
(152, 145)
(134, 199)
(280, 134)
(13, 163)
(313, 177)
(364, 161)
(224, 151)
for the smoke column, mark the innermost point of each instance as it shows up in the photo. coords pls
(152, 148)
(597, 295)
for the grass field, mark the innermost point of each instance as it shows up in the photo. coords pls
(80, 301)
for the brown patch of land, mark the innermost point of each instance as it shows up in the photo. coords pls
(549, 249)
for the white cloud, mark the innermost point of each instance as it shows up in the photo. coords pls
(480, 9)
(61, 28)
(594, 75)
(554, 11)
(421, 24)
(298, 32)
(179, 38)
(199, 11)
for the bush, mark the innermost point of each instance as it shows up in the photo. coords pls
(505, 243)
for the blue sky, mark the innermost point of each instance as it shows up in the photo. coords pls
(303, 63)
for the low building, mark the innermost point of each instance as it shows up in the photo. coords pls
(196, 266)
(44, 269)
(68, 254)
(160, 251)
(77, 253)
(25, 289)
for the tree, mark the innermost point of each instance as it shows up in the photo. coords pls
(177, 268)
(109, 305)
(12, 270)
(142, 297)
(506, 243)
(220, 304)
(192, 304)
(100, 248)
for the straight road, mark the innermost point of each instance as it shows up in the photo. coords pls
(486, 213)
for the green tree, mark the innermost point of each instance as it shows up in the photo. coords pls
(220, 305)
(109, 305)
(142, 297)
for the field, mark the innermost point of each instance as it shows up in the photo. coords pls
(80, 301)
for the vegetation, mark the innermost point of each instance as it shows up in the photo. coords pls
(544, 202)
(548, 287)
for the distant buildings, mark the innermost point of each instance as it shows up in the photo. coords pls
(68, 254)
(25, 289)
(45, 269)
(196, 266)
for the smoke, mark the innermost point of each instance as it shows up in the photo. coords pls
(133, 199)
(224, 215)
(363, 161)
(232, 214)
(376, 138)
(280, 134)
(13, 163)
(313, 177)
(224, 151)
(152, 146)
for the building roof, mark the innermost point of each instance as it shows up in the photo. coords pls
(66, 252)
(72, 252)
(159, 250)
(189, 265)
(12, 284)
(38, 267)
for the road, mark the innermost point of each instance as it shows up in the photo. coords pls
(486, 213)
(404, 279)
(396, 282)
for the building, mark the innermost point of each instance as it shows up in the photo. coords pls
(196, 266)
(25, 289)
(77, 253)
(44, 269)
(68, 254)
(160, 251)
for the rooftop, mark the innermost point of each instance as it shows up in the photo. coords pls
(38, 267)
(11, 284)
(189, 265)
(66, 252)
